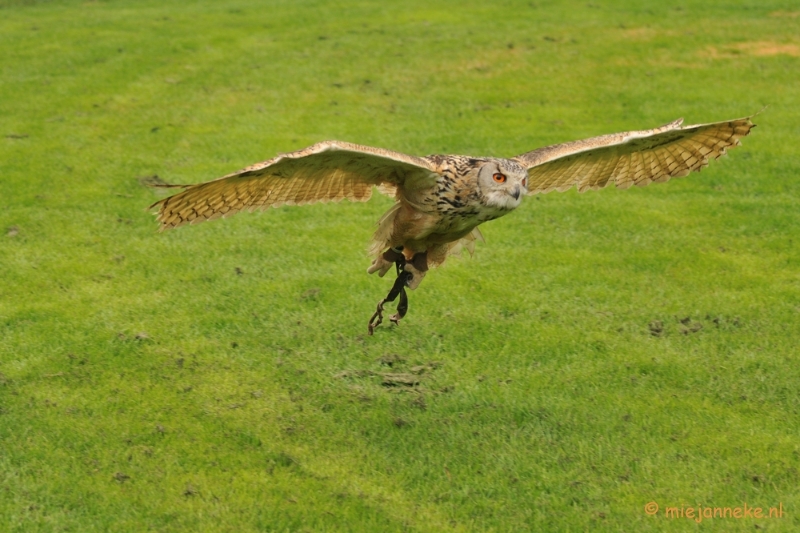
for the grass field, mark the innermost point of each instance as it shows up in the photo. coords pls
(600, 352)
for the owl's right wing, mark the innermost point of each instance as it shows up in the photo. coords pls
(631, 158)
(328, 171)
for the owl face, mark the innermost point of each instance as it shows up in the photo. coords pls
(502, 184)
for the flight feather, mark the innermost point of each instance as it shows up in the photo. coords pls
(631, 158)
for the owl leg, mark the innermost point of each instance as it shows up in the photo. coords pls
(384, 262)
(398, 289)
(417, 267)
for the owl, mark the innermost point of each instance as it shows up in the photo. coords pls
(441, 200)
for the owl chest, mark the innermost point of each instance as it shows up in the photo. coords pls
(453, 206)
(459, 207)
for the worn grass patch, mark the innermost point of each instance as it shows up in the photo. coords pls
(601, 351)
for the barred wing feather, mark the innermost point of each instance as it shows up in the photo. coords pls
(329, 171)
(631, 158)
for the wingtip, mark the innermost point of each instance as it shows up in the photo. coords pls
(675, 124)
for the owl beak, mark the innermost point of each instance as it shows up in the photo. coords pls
(516, 193)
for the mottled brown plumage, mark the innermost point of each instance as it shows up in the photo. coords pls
(440, 200)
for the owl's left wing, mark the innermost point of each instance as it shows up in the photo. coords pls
(631, 158)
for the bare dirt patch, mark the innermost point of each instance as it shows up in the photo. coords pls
(645, 34)
(752, 49)
(656, 328)
(399, 380)
(785, 14)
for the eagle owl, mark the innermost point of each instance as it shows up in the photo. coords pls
(440, 200)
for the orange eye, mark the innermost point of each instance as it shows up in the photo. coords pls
(499, 178)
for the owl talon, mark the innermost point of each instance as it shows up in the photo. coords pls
(417, 267)
(415, 277)
(381, 266)
(384, 262)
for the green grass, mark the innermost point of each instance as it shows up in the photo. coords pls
(146, 385)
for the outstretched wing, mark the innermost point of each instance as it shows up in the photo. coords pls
(329, 171)
(631, 158)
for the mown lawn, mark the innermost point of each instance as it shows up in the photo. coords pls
(600, 352)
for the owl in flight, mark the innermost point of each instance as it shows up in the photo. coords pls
(440, 200)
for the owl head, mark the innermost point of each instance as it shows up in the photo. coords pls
(502, 183)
